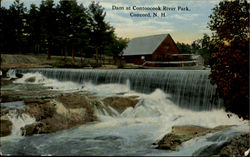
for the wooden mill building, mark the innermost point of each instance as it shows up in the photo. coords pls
(159, 48)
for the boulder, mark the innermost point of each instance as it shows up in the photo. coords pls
(31, 129)
(31, 79)
(181, 134)
(121, 103)
(73, 100)
(6, 82)
(236, 147)
(18, 75)
(63, 112)
(6, 127)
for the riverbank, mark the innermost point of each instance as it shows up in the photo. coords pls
(14, 61)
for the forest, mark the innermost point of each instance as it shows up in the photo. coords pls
(62, 29)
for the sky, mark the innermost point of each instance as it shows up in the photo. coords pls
(186, 23)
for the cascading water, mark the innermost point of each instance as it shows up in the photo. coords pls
(188, 88)
(11, 73)
(19, 121)
(133, 131)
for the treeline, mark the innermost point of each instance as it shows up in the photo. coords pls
(229, 61)
(66, 28)
(200, 47)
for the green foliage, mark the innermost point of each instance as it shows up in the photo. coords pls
(100, 32)
(204, 47)
(66, 63)
(184, 48)
(13, 27)
(230, 61)
(33, 29)
(62, 29)
(230, 20)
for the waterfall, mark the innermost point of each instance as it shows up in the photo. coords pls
(11, 73)
(188, 88)
(19, 121)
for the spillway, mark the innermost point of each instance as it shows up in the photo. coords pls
(188, 88)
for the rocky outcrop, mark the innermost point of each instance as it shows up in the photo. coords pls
(121, 103)
(53, 110)
(63, 112)
(5, 82)
(31, 79)
(56, 111)
(236, 147)
(181, 134)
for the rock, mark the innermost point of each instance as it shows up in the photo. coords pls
(210, 150)
(63, 112)
(6, 127)
(32, 100)
(31, 129)
(40, 110)
(52, 110)
(170, 142)
(121, 103)
(31, 79)
(181, 134)
(18, 75)
(73, 100)
(236, 147)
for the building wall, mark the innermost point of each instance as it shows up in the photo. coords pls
(160, 54)
(166, 47)
(138, 59)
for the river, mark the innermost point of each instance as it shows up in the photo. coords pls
(166, 98)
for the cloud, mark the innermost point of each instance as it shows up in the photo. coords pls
(186, 17)
(183, 26)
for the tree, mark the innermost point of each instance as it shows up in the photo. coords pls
(101, 32)
(18, 20)
(230, 20)
(79, 29)
(33, 29)
(73, 26)
(116, 46)
(83, 29)
(49, 25)
(63, 11)
(184, 48)
(230, 61)
(204, 47)
(61, 28)
(7, 34)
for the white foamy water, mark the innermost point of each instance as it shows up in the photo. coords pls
(131, 132)
(19, 121)
(11, 73)
(56, 85)
(102, 89)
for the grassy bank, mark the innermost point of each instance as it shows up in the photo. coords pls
(40, 61)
